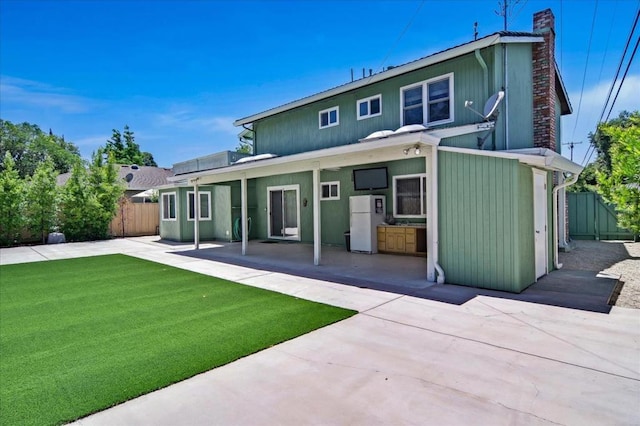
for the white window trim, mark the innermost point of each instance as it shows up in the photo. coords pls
(208, 194)
(425, 100)
(175, 204)
(368, 101)
(336, 183)
(422, 194)
(328, 111)
(283, 188)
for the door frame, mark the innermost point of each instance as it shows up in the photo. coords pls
(540, 211)
(283, 188)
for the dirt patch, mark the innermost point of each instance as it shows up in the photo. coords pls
(614, 257)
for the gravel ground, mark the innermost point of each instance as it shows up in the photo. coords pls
(615, 257)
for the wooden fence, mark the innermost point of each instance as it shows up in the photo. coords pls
(136, 220)
(590, 218)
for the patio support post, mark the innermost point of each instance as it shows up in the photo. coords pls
(196, 215)
(431, 271)
(243, 213)
(316, 215)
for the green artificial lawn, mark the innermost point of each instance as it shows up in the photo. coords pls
(80, 335)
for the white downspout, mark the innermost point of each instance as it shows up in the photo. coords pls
(506, 97)
(434, 213)
(571, 181)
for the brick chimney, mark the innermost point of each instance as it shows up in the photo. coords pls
(544, 81)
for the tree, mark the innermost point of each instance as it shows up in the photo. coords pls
(89, 200)
(29, 146)
(619, 183)
(11, 197)
(245, 146)
(127, 152)
(587, 181)
(41, 200)
(106, 184)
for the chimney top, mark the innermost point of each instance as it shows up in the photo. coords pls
(544, 21)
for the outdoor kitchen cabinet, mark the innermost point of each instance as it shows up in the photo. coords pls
(402, 240)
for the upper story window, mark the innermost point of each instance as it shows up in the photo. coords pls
(369, 107)
(330, 190)
(204, 208)
(429, 102)
(410, 195)
(169, 206)
(329, 117)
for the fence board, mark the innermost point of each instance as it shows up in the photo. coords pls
(136, 220)
(591, 218)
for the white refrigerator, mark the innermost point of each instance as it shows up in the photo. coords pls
(366, 212)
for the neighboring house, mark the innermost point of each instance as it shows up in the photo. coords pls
(483, 186)
(136, 178)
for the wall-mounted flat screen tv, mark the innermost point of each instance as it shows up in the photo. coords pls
(368, 179)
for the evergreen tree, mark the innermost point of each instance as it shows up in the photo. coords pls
(127, 151)
(41, 202)
(11, 198)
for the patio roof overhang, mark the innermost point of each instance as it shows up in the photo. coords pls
(364, 152)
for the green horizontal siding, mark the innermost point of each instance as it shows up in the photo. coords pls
(297, 130)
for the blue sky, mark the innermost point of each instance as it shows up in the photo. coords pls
(180, 72)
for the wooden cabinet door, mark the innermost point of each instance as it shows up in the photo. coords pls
(410, 240)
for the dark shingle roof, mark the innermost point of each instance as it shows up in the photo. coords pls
(142, 177)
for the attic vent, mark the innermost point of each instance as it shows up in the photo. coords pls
(134, 167)
(129, 177)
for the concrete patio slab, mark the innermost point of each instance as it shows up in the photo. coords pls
(368, 370)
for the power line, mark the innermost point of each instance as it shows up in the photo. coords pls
(589, 153)
(633, 54)
(624, 53)
(606, 46)
(400, 36)
(586, 66)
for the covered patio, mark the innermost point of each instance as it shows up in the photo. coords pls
(405, 275)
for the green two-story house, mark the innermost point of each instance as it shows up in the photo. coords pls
(462, 145)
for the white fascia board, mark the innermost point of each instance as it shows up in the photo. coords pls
(393, 72)
(538, 157)
(374, 151)
(553, 160)
(176, 184)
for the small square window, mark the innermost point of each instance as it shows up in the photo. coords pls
(330, 190)
(369, 107)
(410, 196)
(329, 117)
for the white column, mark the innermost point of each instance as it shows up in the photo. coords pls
(196, 215)
(243, 214)
(317, 234)
(431, 270)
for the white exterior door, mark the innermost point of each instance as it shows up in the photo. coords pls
(540, 221)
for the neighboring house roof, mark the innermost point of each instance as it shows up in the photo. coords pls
(452, 52)
(142, 177)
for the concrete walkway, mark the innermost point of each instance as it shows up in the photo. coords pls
(402, 360)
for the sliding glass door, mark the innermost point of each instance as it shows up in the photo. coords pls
(284, 212)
